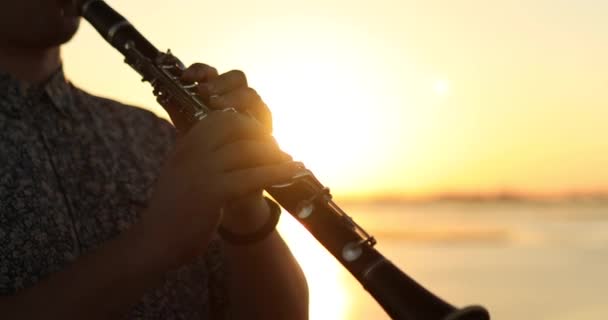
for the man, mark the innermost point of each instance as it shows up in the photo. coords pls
(103, 215)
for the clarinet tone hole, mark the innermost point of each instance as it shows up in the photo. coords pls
(305, 210)
(351, 251)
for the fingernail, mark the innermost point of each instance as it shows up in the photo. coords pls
(297, 165)
(286, 156)
(215, 98)
(218, 101)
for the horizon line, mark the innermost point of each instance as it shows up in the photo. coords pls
(509, 196)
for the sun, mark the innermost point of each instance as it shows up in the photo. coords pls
(324, 115)
(340, 102)
(441, 87)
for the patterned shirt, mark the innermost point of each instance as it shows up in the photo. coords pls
(75, 171)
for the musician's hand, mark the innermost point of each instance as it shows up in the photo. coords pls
(228, 90)
(224, 157)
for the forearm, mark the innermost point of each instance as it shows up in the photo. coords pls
(102, 284)
(265, 281)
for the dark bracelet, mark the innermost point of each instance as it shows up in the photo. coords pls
(258, 235)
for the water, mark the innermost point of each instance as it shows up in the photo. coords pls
(521, 260)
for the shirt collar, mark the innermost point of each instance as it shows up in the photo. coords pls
(59, 90)
(17, 92)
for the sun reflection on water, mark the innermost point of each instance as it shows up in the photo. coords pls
(329, 297)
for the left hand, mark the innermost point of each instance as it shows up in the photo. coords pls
(230, 90)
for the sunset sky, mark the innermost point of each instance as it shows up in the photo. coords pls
(399, 97)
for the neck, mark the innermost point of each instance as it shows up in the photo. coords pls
(30, 65)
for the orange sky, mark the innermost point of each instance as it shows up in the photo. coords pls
(399, 97)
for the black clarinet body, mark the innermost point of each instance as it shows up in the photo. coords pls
(304, 197)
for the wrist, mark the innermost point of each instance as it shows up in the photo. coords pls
(246, 216)
(257, 235)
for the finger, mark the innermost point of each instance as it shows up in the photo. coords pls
(223, 83)
(262, 113)
(199, 72)
(220, 128)
(243, 182)
(249, 154)
(244, 100)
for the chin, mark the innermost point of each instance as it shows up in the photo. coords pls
(59, 35)
(68, 30)
(37, 24)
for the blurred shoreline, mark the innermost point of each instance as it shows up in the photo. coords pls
(600, 197)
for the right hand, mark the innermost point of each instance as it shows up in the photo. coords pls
(224, 157)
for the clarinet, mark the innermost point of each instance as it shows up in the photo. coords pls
(304, 196)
